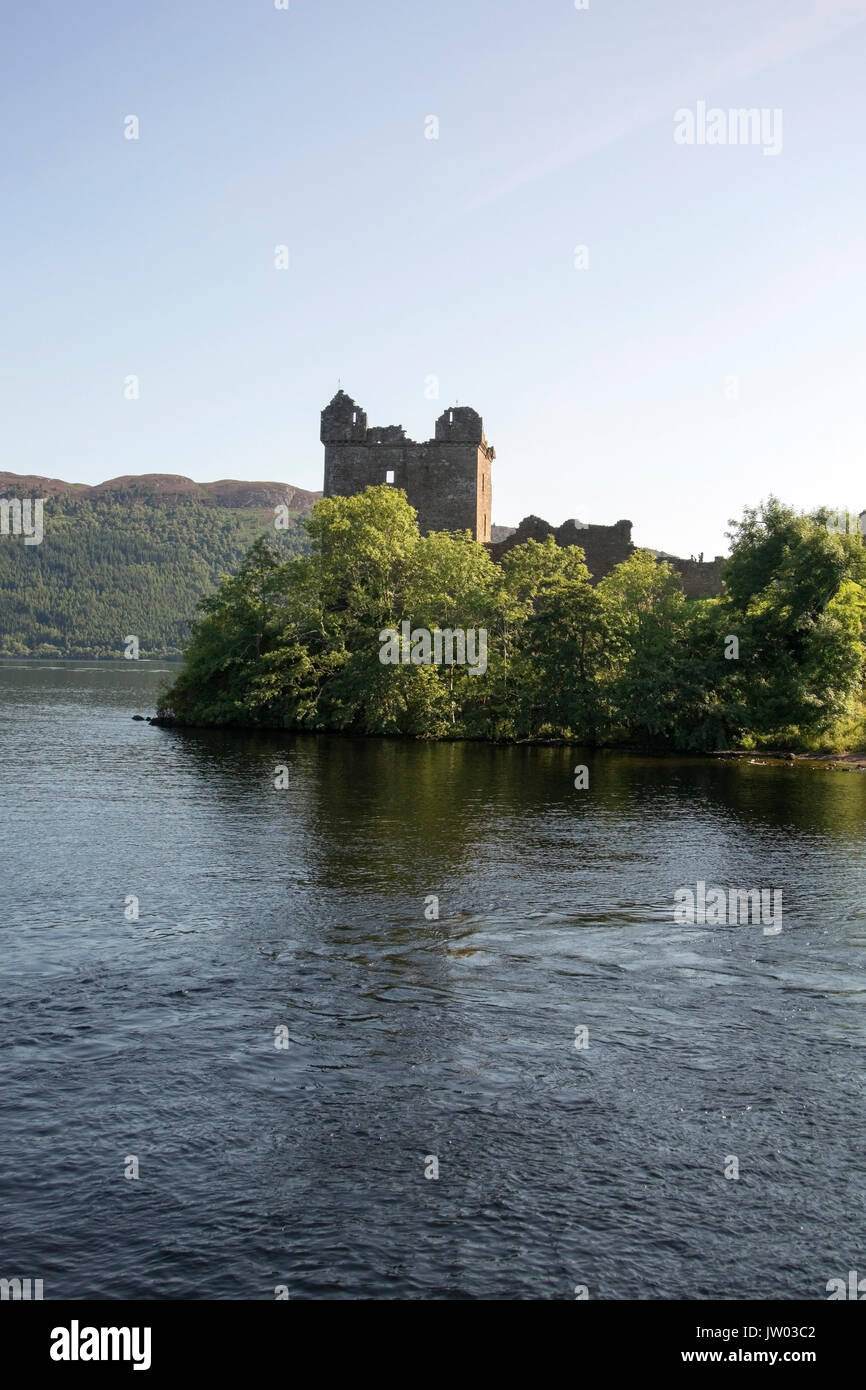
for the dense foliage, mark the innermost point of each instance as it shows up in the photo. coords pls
(108, 569)
(296, 643)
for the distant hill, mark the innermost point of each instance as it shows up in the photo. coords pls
(131, 556)
(161, 489)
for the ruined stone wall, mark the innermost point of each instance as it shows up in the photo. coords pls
(603, 546)
(701, 578)
(608, 546)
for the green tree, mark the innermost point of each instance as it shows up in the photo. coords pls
(645, 636)
(794, 601)
(557, 639)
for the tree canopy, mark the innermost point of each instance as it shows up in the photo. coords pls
(296, 642)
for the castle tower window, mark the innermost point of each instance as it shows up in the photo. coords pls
(389, 476)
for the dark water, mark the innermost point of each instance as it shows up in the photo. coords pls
(304, 909)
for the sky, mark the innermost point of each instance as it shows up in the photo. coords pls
(704, 350)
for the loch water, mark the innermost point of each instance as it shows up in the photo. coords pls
(296, 916)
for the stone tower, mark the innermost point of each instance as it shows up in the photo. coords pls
(447, 479)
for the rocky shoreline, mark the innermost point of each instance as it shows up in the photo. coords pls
(846, 761)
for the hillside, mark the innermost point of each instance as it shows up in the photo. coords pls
(133, 555)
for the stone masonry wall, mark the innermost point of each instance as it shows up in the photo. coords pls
(607, 546)
(701, 578)
(604, 546)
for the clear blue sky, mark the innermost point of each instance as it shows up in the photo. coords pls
(603, 390)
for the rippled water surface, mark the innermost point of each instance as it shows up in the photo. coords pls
(304, 909)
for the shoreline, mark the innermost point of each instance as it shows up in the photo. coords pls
(849, 761)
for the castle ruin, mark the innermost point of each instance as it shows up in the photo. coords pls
(607, 546)
(448, 481)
